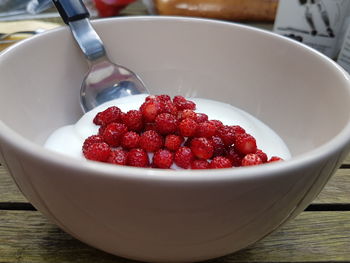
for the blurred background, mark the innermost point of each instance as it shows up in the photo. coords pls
(20, 19)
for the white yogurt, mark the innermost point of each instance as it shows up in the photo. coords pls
(69, 139)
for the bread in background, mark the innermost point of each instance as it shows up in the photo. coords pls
(233, 10)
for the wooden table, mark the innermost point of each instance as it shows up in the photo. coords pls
(320, 234)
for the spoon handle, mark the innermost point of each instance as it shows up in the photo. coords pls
(71, 10)
(75, 14)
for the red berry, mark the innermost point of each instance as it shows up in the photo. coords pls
(137, 157)
(202, 148)
(220, 162)
(251, 159)
(188, 127)
(111, 114)
(163, 97)
(151, 97)
(217, 123)
(151, 141)
(91, 140)
(226, 134)
(262, 155)
(167, 106)
(201, 117)
(133, 120)
(150, 126)
(99, 151)
(245, 143)
(187, 114)
(236, 129)
(166, 123)
(206, 129)
(163, 159)
(182, 103)
(234, 157)
(113, 133)
(150, 109)
(173, 142)
(200, 164)
(118, 156)
(183, 157)
(130, 140)
(219, 146)
(275, 159)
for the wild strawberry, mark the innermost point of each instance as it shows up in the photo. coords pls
(201, 117)
(91, 140)
(226, 134)
(111, 114)
(262, 155)
(187, 114)
(236, 129)
(182, 103)
(275, 159)
(151, 141)
(151, 97)
(202, 148)
(234, 157)
(220, 162)
(137, 157)
(188, 127)
(150, 109)
(167, 106)
(113, 133)
(163, 97)
(217, 123)
(200, 164)
(173, 142)
(206, 129)
(183, 157)
(166, 123)
(99, 151)
(117, 156)
(251, 159)
(130, 140)
(163, 158)
(150, 126)
(133, 120)
(245, 143)
(219, 146)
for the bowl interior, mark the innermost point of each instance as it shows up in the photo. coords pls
(299, 93)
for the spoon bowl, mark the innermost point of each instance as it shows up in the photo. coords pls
(105, 80)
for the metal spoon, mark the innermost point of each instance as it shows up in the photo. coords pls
(105, 80)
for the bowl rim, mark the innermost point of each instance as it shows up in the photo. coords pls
(339, 143)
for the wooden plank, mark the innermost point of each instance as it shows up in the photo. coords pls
(26, 236)
(347, 160)
(311, 237)
(337, 190)
(8, 189)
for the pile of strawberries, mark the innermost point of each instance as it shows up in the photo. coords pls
(174, 133)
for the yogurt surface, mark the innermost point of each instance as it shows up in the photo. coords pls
(68, 140)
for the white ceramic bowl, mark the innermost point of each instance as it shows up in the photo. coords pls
(157, 215)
